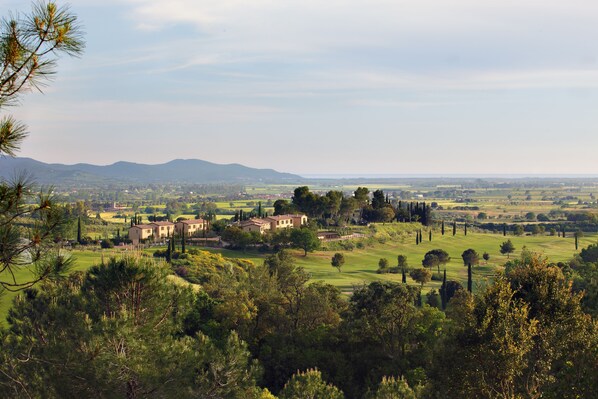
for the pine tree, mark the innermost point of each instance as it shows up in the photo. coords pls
(79, 230)
(443, 291)
(469, 278)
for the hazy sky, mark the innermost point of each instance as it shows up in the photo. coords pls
(395, 87)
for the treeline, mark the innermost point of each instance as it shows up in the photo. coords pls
(336, 208)
(124, 329)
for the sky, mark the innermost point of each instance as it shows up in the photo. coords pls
(310, 87)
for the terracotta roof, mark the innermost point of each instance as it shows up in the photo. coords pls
(192, 221)
(162, 224)
(280, 217)
(253, 221)
(142, 226)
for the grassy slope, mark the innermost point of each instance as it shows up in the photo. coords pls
(361, 264)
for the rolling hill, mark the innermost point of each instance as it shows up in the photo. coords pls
(193, 171)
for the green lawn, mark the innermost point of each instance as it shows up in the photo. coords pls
(361, 264)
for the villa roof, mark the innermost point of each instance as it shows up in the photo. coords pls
(142, 226)
(192, 221)
(162, 223)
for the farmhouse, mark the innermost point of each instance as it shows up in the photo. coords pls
(140, 232)
(162, 229)
(259, 225)
(191, 227)
(273, 222)
(155, 230)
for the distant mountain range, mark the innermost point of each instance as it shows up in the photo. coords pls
(192, 171)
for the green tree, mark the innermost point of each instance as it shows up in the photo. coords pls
(518, 230)
(79, 238)
(436, 257)
(116, 331)
(361, 195)
(338, 260)
(393, 388)
(309, 385)
(29, 48)
(470, 257)
(383, 263)
(490, 338)
(430, 261)
(530, 216)
(507, 248)
(486, 257)
(304, 238)
(422, 276)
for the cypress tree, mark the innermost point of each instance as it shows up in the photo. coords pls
(504, 229)
(469, 278)
(259, 209)
(118, 233)
(430, 235)
(465, 228)
(563, 231)
(576, 241)
(168, 253)
(421, 238)
(172, 243)
(442, 227)
(404, 275)
(443, 291)
(454, 228)
(131, 222)
(79, 229)
(182, 243)
(416, 239)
